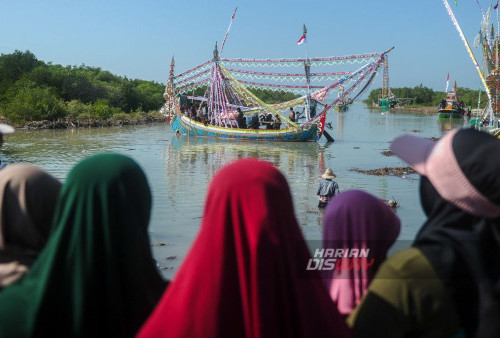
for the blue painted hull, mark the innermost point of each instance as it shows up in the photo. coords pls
(186, 126)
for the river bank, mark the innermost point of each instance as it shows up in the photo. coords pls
(69, 123)
(416, 110)
(423, 110)
(419, 110)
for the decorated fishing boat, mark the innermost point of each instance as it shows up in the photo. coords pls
(223, 97)
(486, 118)
(451, 107)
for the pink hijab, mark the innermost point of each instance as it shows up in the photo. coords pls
(357, 220)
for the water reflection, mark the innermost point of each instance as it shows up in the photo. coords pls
(196, 160)
(179, 168)
(449, 124)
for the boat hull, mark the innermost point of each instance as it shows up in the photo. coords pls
(186, 126)
(450, 113)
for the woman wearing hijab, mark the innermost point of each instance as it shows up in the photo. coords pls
(356, 220)
(27, 201)
(448, 283)
(245, 275)
(96, 276)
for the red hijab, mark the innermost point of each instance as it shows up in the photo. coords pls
(245, 275)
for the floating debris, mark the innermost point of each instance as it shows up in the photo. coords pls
(312, 210)
(435, 139)
(397, 171)
(393, 204)
(387, 153)
(171, 257)
(159, 244)
(355, 147)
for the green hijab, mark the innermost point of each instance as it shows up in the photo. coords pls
(96, 276)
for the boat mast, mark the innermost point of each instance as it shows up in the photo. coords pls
(467, 46)
(171, 106)
(307, 68)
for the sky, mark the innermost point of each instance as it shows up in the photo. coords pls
(137, 39)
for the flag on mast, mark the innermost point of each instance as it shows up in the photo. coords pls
(303, 37)
(496, 6)
(447, 82)
(228, 29)
(301, 40)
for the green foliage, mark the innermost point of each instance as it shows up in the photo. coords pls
(34, 104)
(427, 97)
(78, 110)
(13, 66)
(102, 111)
(271, 96)
(75, 91)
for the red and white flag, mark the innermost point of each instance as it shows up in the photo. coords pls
(320, 96)
(302, 39)
(228, 29)
(447, 82)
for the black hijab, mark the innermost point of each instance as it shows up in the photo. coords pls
(464, 249)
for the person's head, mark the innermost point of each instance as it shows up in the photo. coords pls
(291, 109)
(460, 194)
(246, 270)
(460, 166)
(98, 260)
(5, 129)
(329, 175)
(357, 220)
(28, 198)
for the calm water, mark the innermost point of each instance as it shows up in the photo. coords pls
(179, 169)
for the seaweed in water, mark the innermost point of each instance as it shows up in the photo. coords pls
(397, 171)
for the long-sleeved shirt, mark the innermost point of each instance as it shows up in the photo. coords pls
(327, 188)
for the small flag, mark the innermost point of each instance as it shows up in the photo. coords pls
(320, 96)
(456, 3)
(496, 6)
(447, 82)
(232, 17)
(302, 39)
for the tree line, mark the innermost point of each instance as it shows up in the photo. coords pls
(424, 96)
(32, 90)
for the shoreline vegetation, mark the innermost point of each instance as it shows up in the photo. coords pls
(69, 123)
(39, 95)
(141, 118)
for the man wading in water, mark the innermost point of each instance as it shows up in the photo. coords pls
(327, 188)
(4, 130)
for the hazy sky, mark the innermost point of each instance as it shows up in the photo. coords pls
(138, 38)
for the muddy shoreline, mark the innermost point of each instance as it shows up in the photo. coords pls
(416, 110)
(396, 171)
(89, 123)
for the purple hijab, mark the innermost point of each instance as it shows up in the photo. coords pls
(357, 220)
